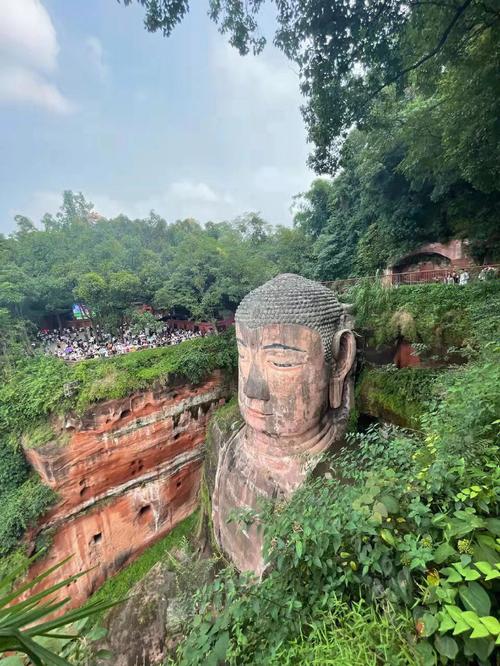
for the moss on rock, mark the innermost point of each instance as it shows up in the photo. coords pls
(397, 396)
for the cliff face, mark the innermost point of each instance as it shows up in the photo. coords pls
(128, 474)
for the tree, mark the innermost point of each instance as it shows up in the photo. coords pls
(313, 208)
(349, 52)
(145, 322)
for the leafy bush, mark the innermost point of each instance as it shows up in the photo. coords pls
(405, 519)
(19, 509)
(22, 499)
(352, 634)
(400, 394)
(439, 315)
(14, 469)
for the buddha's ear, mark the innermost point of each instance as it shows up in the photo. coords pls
(343, 355)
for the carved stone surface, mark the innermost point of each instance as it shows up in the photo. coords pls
(294, 393)
(129, 472)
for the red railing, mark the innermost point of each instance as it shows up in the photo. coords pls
(435, 276)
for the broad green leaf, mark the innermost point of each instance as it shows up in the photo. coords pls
(460, 627)
(426, 652)
(430, 623)
(481, 647)
(475, 597)
(493, 525)
(454, 612)
(486, 568)
(390, 502)
(452, 575)
(480, 632)
(446, 623)
(492, 624)
(388, 537)
(443, 552)
(446, 646)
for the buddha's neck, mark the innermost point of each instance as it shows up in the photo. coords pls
(272, 449)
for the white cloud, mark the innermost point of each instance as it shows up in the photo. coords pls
(186, 190)
(266, 78)
(27, 34)
(95, 53)
(28, 54)
(180, 199)
(18, 84)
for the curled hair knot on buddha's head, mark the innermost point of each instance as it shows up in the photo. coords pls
(293, 299)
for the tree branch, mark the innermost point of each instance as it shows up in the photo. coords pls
(458, 13)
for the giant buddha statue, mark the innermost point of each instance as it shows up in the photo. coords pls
(294, 391)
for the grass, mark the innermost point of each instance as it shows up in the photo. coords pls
(349, 635)
(402, 395)
(120, 585)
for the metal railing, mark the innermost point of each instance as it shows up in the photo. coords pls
(435, 276)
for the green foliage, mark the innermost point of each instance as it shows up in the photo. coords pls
(14, 469)
(438, 315)
(19, 509)
(23, 498)
(118, 586)
(409, 520)
(34, 390)
(145, 321)
(25, 627)
(351, 634)
(399, 396)
(111, 265)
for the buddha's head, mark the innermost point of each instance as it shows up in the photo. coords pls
(293, 356)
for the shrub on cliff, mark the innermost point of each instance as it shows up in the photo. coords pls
(22, 498)
(416, 526)
(399, 396)
(438, 315)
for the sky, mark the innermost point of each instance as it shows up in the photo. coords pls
(92, 102)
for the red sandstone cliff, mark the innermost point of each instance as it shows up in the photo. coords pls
(128, 474)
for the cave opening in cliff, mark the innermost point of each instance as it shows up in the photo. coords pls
(97, 538)
(145, 513)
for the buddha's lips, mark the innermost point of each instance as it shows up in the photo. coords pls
(257, 412)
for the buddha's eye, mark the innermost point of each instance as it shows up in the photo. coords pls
(285, 361)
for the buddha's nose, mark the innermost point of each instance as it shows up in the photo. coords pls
(256, 385)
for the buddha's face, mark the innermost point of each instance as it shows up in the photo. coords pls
(283, 378)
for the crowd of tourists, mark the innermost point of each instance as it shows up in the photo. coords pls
(463, 277)
(77, 345)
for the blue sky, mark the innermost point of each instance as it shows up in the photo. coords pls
(92, 102)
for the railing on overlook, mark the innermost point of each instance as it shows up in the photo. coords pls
(434, 276)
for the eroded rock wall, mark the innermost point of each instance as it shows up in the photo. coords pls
(128, 474)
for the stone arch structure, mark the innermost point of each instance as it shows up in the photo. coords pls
(429, 259)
